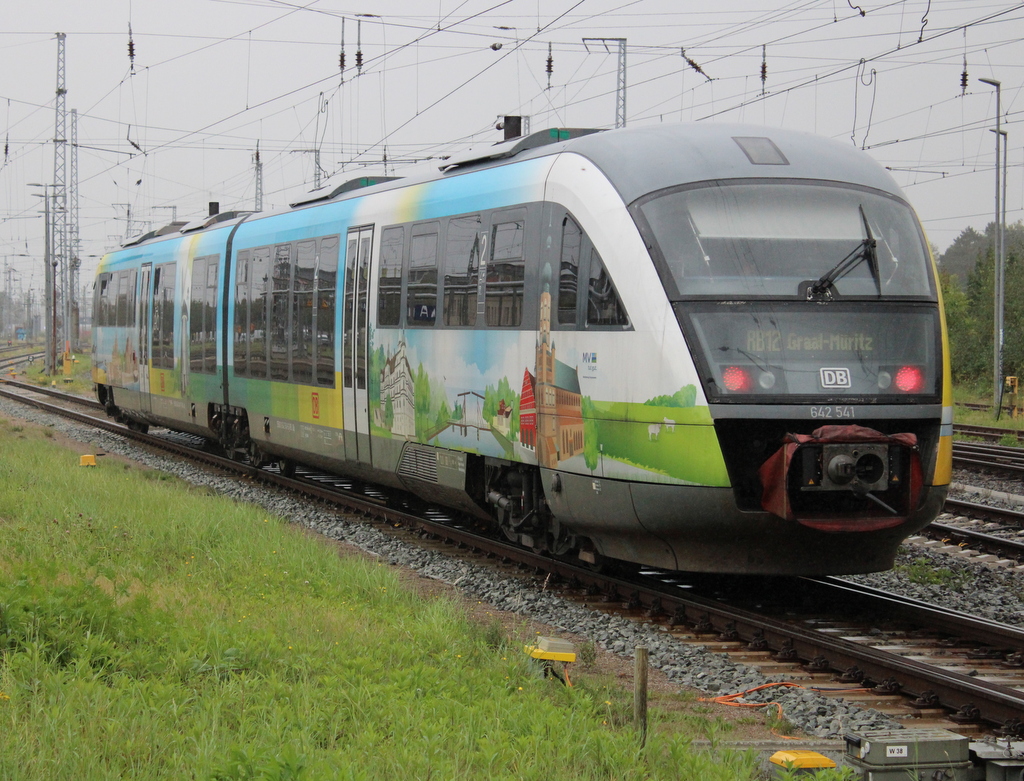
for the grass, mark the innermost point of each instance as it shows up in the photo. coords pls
(150, 630)
(968, 394)
(925, 573)
(81, 374)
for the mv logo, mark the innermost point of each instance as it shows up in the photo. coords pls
(835, 378)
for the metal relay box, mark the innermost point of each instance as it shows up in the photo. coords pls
(909, 754)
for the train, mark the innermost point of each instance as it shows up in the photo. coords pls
(694, 347)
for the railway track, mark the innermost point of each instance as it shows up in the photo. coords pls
(994, 458)
(884, 650)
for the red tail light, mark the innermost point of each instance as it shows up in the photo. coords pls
(736, 379)
(910, 379)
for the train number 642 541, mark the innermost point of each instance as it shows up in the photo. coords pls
(833, 413)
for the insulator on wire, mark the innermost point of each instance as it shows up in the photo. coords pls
(551, 65)
(131, 48)
(341, 62)
(764, 66)
(963, 79)
(693, 64)
(359, 46)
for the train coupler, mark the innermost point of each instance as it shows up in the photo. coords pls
(843, 478)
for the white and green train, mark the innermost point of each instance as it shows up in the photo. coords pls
(696, 347)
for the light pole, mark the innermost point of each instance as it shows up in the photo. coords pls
(51, 298)
(999, 253)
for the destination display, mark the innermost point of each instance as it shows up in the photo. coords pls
(781, 350)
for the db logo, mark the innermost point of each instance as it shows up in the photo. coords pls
(835, 378)
(316, 405)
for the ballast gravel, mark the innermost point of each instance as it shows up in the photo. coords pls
(994, 594)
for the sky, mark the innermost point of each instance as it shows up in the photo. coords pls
(177, 125)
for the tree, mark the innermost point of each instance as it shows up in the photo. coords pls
(963, 254)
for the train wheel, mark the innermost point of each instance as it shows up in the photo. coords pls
(287, 467)
(257, 458)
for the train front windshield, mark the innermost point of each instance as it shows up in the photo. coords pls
(791, 291)
(772, 239)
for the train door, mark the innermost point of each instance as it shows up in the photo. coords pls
(143, 315)
(354, 344)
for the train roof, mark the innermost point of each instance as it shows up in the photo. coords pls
(636, 160)
(642, 160)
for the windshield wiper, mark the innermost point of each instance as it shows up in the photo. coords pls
(863, 251)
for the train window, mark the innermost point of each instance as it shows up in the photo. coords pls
(389, 286)
(202, 315)
(362, 305)
(784, 238)
(505, 272)
(280, 321)
(569, 271)
(422, 295)
(163, 316)
(241, 341)
(259, 298)
(133, 277)
(122, 300)
(303, 313)
(195, 314)
(326, 297)
(603, 305)
(461, 270)
(100, 300)
(210, 315)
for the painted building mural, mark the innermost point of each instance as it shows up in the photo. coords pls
(544, 417)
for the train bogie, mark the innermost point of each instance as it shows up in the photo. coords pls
(694, 348)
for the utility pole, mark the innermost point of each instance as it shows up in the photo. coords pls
(174, 210)
(620, 81)
(128, 231)
(59, 239)
(316, 165)
(999, 260)
(74, 257)
(51, 299)
(259, 172)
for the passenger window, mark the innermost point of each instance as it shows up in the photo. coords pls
(505, 272)
(280, 322)
(259, 308)
(326, 297)
(122, 299)
(461, 270)
(210, 316)
(163, 316)
(302, 320)
(389, 286)
(102, 303)
(195, 314)
(422, 295)
(133, 278)
(603, 305)
(569, 271)
(241, 349)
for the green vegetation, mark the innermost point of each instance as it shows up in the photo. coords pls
(924, 572)
(80, 380)
(967, 274)
(150, 630)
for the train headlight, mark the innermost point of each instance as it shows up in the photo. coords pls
(910, 379)
(766, 380)
(736, 379)
(884, 380)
